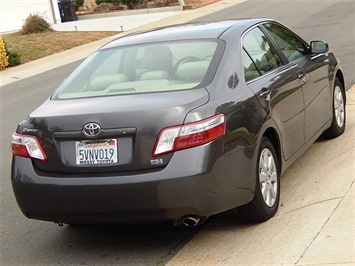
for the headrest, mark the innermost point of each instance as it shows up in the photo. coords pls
(194, 71)
(155, 75)
(101, 82)
(157, 58)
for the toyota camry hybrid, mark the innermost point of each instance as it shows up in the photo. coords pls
(178, 124)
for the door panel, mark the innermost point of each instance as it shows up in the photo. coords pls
(313, 76)
(285, 105)
(317, 95)
(277, 87)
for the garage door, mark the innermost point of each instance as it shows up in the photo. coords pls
(13, 13)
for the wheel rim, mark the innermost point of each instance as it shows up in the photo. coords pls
(268, 177)
(339, 106)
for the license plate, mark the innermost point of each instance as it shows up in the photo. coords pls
(93, 152)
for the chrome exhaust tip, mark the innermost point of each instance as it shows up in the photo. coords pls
(191, 221)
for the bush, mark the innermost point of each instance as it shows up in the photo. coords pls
(117, 2)
(79, 3)
(160, 3)
(35, 24)
(131, 4)
(3, 57)
(14, 58)
(105, 7)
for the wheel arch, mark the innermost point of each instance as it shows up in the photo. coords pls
(273, 136)
(340, 76)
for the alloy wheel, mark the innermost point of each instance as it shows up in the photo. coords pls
(339, 106)
(268, 177)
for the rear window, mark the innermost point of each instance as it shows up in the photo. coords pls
(158, 67)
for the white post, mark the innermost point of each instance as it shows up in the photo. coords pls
(55, 16)
(181, 2)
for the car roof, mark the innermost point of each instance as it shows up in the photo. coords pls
(198, 30)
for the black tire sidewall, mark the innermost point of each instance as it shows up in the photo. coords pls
(265, 211)
(338, 130)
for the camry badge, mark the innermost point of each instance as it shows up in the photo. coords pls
(92, 129)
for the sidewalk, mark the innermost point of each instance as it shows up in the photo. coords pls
(131, 23)
(315, 223)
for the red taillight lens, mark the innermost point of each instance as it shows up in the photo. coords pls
(190, 135)
(27, 146)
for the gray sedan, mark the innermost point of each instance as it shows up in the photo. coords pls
(178, 124)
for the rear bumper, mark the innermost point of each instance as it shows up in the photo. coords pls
(190, 184)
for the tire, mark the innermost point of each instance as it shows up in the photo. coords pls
(267, 189)
(338, 112)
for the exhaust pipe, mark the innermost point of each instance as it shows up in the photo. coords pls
(191, 221)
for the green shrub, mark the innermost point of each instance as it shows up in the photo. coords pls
(79, 3)
(14, 58)
(35, 24)
(105, 7)
(160, 3)
(3, 56)
(131, 4)
(117, 2)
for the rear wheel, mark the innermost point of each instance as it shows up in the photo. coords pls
(338, 109)
(267, 190)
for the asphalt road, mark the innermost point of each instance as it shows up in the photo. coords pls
(28, 242)
(332, 21)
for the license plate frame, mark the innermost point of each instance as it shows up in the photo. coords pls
(96, 152)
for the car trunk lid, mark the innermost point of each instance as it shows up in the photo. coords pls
(130, 123)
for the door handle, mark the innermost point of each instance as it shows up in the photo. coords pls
(302, 77)
(265, 93)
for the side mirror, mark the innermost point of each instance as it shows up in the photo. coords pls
(319, 47)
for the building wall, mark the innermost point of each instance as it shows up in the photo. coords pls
(13, 13)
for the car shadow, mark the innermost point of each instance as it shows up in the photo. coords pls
(138, 244)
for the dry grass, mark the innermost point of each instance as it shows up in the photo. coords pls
(38, 45)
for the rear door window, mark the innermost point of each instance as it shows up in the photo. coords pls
(258, 48)
(250, 69)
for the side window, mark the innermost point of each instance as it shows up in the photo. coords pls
(264, 57)
(250, 70)
(291, 46)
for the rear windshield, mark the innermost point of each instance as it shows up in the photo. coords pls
(158, 67)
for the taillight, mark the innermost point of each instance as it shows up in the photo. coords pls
(190, 135)
(27, 146)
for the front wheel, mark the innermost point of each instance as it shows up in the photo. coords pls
(267, 191)
(338, 111)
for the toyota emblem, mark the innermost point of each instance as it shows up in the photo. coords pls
(92, 129)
